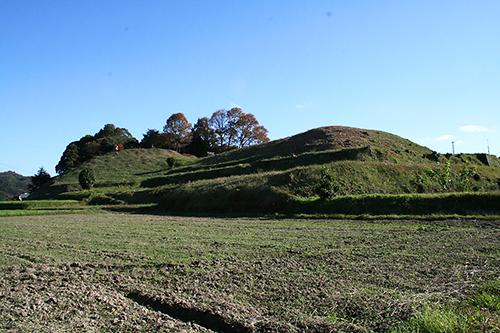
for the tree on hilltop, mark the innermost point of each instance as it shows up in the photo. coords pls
(234, 128)
(153, 139)
(94, 145)
(223, 123)
(224, 130)
(202, 138)
(110, 136)
(249, 132)
(69, 159)
(177, 132)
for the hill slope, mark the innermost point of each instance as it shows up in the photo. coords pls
(116, 169)
(12, 184)
(276, 176)
(331, 140)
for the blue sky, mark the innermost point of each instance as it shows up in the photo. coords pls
(428, 71)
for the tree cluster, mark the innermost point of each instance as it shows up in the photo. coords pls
(107, 139)
(224, 130)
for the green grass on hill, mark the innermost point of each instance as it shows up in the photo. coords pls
(309, 172)
(115, 170)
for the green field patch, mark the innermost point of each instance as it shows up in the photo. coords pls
(26, 212)
(39, 204)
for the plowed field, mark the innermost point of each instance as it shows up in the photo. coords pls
(108, 272)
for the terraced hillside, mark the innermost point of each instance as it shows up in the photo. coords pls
(303, 172)
(337, 142)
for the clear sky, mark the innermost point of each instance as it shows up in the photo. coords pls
(425, 70)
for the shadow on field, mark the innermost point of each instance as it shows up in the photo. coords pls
(205, 318)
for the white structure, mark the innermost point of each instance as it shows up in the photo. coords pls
(23, 196)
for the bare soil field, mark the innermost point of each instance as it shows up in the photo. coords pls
(110, 272)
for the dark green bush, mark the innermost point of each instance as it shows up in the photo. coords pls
(327, 187)
(86, 178)
(171, 161)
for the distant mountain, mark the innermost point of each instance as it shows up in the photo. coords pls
(12, 184)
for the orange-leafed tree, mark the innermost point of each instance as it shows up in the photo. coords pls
(177, 132)
(234, 128)
(249, 132)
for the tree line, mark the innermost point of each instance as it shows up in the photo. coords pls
(224, 130)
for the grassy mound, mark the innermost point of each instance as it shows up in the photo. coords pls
(307, 172)
(336, 142)
(115, 170)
